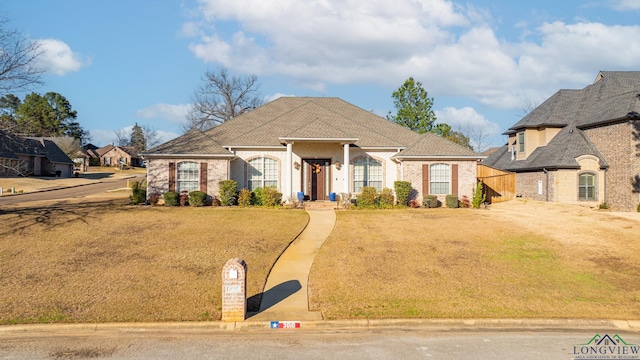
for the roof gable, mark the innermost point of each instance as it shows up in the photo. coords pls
(429, 144)
(194, 142)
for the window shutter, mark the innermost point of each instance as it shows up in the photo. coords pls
(203, 177)
(425, 179)
(454, 179)
(172, 176)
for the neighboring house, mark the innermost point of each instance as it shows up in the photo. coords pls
(317, 146)
(579, 146)
(111, 155)
(32, 156)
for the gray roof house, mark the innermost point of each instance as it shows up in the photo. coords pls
(579, 146)
(311, 146)
(32, 156)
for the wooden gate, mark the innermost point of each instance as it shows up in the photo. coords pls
(499, 185)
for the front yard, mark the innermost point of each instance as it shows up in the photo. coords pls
(517, 260)
(100, 260)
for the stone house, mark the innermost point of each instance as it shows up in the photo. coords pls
(314, 146)
(579, 146)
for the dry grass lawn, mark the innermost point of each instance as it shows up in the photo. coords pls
(103, 261)
(517, 260)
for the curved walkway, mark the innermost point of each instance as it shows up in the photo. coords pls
(286, 295)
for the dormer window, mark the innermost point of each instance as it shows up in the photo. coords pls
(521, 141)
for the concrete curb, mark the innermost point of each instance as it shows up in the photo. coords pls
(429, 325)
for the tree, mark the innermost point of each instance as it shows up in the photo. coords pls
(142, 137)
(8, 107)
(48, 116)
(221, 98)
(414, 111)
(413, 107)
(138, 140)
(18, 60)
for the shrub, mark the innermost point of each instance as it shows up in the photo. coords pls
(452, 201)
(386, 199)
(638, 207)
(154, 199)
(138, 193)
(403, 190)
(171, 198)
(478, 196)
(368, 198)
(227, 190)
(256, 198)
(197, 198)
(270, 196)
(603, 205)
(430, 201)
(244, 198)
(184, 198)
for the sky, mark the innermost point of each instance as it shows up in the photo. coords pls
(484, 62)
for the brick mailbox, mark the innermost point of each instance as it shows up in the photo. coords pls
(234, 294)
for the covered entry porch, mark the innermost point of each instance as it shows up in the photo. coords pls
(317, 167)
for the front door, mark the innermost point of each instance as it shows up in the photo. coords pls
(316, 179)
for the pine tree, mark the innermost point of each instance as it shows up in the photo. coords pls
(138, 139)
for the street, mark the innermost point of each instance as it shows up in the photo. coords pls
(300, 344)
(65, 193)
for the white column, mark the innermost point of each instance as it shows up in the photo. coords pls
(289, 171)
(345, 186)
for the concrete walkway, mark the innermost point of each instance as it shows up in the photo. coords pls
(286, 293)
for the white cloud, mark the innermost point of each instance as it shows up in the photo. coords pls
(101, 137)
(275, 96)
(624, 5)
(451, 49)
(58, 58)
(173, 113)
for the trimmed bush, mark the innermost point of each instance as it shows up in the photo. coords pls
(638, 207)
(197, 198)
(170, 198)
(403, 190)
(256, 199)
(368, 198)
(138, 193)
(244, 198)
(270, 196)
(227, 190)
(452, 201)
(386, 199)
(430, 201)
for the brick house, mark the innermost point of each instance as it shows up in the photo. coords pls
(316, 146)
(112, 155)
(579, 146)
(32, 156)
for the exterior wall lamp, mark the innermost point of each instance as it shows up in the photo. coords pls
(296, 165)
(338, 165)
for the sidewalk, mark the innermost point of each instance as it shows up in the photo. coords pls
(286, 292)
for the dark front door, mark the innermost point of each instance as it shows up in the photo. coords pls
(316, 179)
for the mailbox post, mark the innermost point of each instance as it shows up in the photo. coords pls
(234, 294)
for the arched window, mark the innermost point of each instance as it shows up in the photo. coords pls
(587, 187)
(367, 171)
(188, 177)
(439, 179)
(262, 172)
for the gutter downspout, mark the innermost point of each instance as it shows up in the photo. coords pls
(546, 172)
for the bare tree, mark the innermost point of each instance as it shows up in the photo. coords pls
(221, 98)
(151, 136)
(123, 137)
(19, 68)
(13, 166)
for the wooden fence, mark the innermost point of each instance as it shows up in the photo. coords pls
(498, 185)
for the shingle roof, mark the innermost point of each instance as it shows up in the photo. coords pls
(290, 117)
(12, 145)
(614, 96)
(194, 142)
(434, 145)
(313, 118)
(55, 154)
